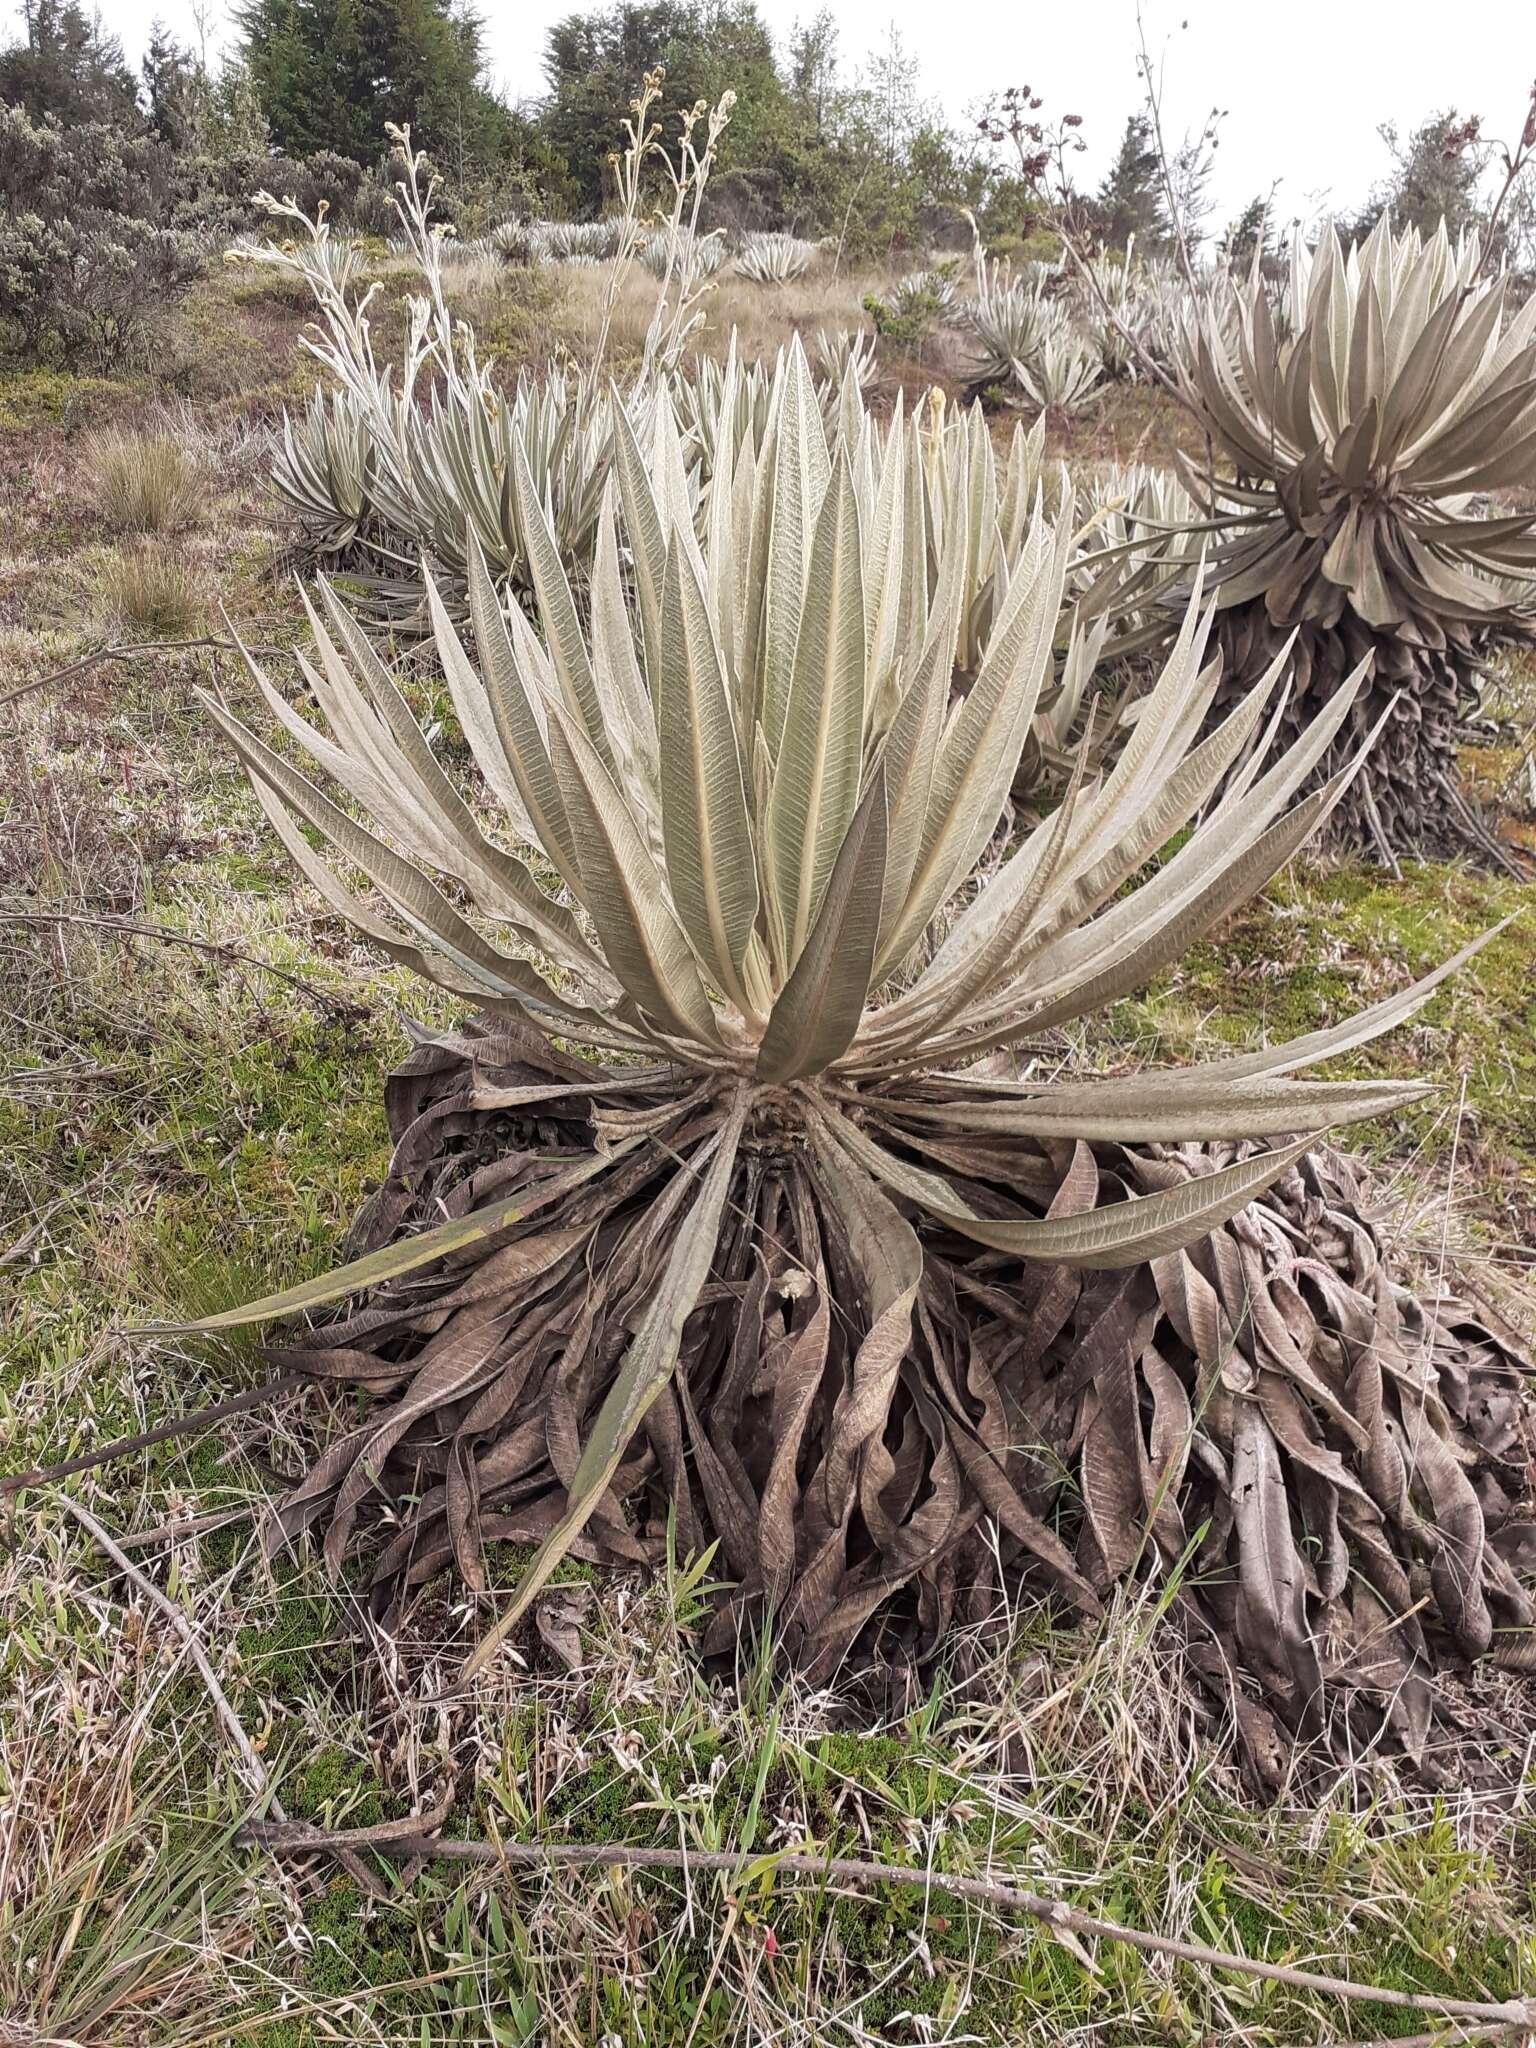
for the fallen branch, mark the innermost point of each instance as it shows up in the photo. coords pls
(142, 650)
(185, 1631)
(216, 948)
(1488, 2030)
(178, 1529)
(298, 1838)
(124, 1446)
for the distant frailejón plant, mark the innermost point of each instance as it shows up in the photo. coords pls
(1366, 418)
(774, 259)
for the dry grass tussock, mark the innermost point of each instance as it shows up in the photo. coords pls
(145, 482)
(125, 1915)
(150, 591)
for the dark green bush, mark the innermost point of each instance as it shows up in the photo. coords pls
(103, 230)
(91, 250)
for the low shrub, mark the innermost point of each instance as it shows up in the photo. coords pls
(103, 232)
(91, 253)
(906, 314)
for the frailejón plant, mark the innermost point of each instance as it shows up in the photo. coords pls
(804, 1243)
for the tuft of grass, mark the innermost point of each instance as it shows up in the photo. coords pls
(150, 592)
(145, 483)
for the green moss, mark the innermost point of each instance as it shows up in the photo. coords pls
(357, 1949)
(33, 398)
(297, 1637)
(333, 1789)
(1324, 943)
(262, 1151)
(505, 1564)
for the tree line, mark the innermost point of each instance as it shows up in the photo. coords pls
(816, 144)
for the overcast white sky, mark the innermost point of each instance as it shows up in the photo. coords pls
(1306, 82)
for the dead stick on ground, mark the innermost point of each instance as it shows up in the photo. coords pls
(297, 1838)
(1486, 2030)
(177, 1531)
(133, 651)
(185, 1631)
(123, 1446)
(337, 1005)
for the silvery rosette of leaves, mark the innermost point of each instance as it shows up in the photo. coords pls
(1370, 410)
(767, 257)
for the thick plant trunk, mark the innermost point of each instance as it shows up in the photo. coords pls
(1407, 802)
(1338, 1468)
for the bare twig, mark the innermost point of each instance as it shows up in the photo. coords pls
(19, 1250)
(142, 650)
(178, 1528)
(1037, 154)
(188, 1636)
(214, 947)
(124, 1446)
(1061, 224)
(1155, 109)
(1516, 161)
(297, 1838)
(1487, 2030)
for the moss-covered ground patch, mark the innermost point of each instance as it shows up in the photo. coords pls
(1326, 941)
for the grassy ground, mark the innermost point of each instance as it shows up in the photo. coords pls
(185, 1124)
